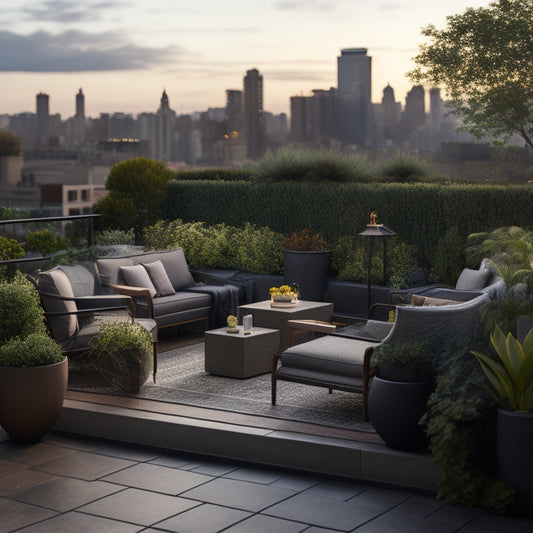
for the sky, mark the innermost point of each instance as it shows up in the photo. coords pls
(124, 53)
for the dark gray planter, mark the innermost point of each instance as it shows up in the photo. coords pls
(309, 270)
(394, 409)
(515, 458)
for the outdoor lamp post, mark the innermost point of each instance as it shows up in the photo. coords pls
(373, 231)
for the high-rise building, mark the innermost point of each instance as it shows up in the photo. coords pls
(301, 119)
(80, 104)
(253, 118)
(436, 110)
(354, 113)
(165, 140)
(43, 118)
(234, 111)
(390, 115)
(414, 115)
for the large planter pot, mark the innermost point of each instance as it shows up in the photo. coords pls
(514, 447)
(31, 399)
(309, 270)
(394, 409)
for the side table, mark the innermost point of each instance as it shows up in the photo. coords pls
(278, 317)
(236, 355)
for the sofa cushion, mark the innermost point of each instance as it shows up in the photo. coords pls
(417, 299)
(328, 355)
(472, 280)
(56, 282)
(159, 277)
(109, 269)
(80, 278)
(136, 276)
(176, 267)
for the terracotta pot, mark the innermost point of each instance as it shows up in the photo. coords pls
(31, 399)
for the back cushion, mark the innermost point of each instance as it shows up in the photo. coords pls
(176, 268)
(56, 282)
(109, 269)
(136, 276)
(472, 280)
(80, 278)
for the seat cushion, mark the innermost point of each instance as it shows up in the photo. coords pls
(176, 303)
(56, 282)
(137, 276)
(159, 277)
(328, 355)
(472, 280)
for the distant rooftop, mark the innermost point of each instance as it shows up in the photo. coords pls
(353, 51)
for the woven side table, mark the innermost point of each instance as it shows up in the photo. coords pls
(236, 355)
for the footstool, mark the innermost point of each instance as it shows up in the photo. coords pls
(236, 355)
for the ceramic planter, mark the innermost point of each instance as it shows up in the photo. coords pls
(31, 399)
(514, 447)
(394, 409)
(309, 270)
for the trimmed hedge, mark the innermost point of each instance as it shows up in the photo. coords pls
(421, 213)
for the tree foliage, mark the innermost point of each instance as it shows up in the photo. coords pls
(136, 195)
(483, 59)
(9, 143)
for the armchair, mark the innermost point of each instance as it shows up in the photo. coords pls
(74, 315)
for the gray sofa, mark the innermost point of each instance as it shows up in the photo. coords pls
(164, 289)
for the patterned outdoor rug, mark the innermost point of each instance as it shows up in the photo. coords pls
(181, 378)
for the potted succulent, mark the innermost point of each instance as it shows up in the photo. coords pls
(306, 263)
(399, 392)
(122, 355)
(509, 371)
(33, 370)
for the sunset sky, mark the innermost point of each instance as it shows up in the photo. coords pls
(124, 53)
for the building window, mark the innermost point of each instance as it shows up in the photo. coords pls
(74, 211)
(72, 196)
(84, 195)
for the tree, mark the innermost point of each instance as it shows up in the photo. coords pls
(9, 143)
(136, 195)
(484, 61)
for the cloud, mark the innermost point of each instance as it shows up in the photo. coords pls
(66, 11)
(76, 51)
(293, 5)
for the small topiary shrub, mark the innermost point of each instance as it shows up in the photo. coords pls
(404, 168)
(37, 349)
(10, 249)
(45, 242)
(110, 237)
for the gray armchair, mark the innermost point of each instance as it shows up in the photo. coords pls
(74, 314)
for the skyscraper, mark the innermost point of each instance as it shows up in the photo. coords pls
(43, 118)
(354, 117)
(253, 119)
(414, 115)
(165, 140)
(80, 104)
(234, 110)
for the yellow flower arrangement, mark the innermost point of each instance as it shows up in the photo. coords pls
(283, 293)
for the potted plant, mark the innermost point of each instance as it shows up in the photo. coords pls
(284, 294)
(399, 392)
(509, 372)
(122, 355)
(33, 370)
(306, 263)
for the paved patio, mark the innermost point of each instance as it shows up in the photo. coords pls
(68, 483)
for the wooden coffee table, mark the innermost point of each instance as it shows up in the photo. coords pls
(266, 316)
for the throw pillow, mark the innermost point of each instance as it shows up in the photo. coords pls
(177, 268)
(159, 278)
(418, 300)
(472, 280)
(136, 276)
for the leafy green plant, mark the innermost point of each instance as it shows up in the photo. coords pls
(404, 168)
(10, 249)
(454, 422)
(511, 374)
(37, 349)
(110, 237)
(449, 257)
(408, 361)
(45, 242)
(22, 313)
(304, 242)
(119, 352)
(9, 143)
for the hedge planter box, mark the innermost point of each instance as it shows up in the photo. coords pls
(31, 399)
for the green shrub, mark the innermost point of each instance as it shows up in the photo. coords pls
(9, 144)
(109, 237)
(250, 249)
(10, 249)
(450, 257)
(291, 164)
(45, 242)
(215, 174)
(37, 349)
(21, 313)
(404, 168)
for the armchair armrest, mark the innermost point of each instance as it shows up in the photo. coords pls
(317, 326)
(90, 304)
(136, 292)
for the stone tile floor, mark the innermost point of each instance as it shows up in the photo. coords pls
(67, 483)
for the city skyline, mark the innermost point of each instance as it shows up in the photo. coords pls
(124, 55)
